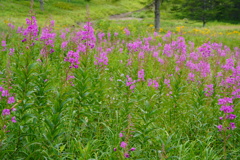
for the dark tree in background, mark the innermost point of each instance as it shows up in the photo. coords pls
(157, 15)
(206, 10)
(228, 10)
(41, 4)
(203, 10)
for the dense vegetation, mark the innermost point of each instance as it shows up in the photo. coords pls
(65, 12)
(82, 93)
(208, 10)
(116, 90)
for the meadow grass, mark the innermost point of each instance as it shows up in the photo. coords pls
(118, 90)
(66, 13)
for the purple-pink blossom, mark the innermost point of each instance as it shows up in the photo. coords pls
(64, 44)
(73, 58)
(1, 88)
(4, 44)
(167, 82)
(224, 101)
(231, 116)
(232, 126)
(5, 93)
(227, 109)
(127, 32)
(126, 155)
(209, 90)
(141, 75)
(11, 51)
(153, 83)
(6, 112)
(101, 59)
(13, 119)
(123, 144)
(31, 32)
(11, 100)
(120, 134)
(220, 127)
(191, 77)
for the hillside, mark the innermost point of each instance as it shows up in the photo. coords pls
(64, 12)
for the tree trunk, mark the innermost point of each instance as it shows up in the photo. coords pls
(157, 15)
(41, 4)
(204, 21)
(204, 15)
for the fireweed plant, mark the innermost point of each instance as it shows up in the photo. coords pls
(85, 93)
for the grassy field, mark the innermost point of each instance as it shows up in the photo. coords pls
(116, 89)
(66, 13)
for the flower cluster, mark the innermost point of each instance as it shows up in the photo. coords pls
(101, 59)
(131, 83)
(153, 83)
(85, 39)
(73, 58)
(127, 32)
(141, 75)
(209, 90)
(31, 32)
(4, 45)
(227, 108)
(48, 37)
(124, 144)
(6, 113)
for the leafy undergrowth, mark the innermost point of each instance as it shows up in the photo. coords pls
(85, 93)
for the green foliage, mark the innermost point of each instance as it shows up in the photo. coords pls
(207, 10)
(65, 6)
(57, 119)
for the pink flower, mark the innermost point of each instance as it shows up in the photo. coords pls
(127, 32)
(231, 116)
(64, 44)
(167, 82)
(73, 58)
(120, 135)
(191, 77)
(227, 109)
(219, 127)
(132, 87)
(4, 43)
(141, 55)
(209, 90)
(1, 88)
(232, 125)
(224, 101)
(13, 119)
(5, 93)
(102, 59)
(11, 25)
(32, 30)
(11, 51)
(126, 155)
(6, 112)
(153, 83)
(141, 75)
(123, 144)
(132, 149)
(11, 100)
